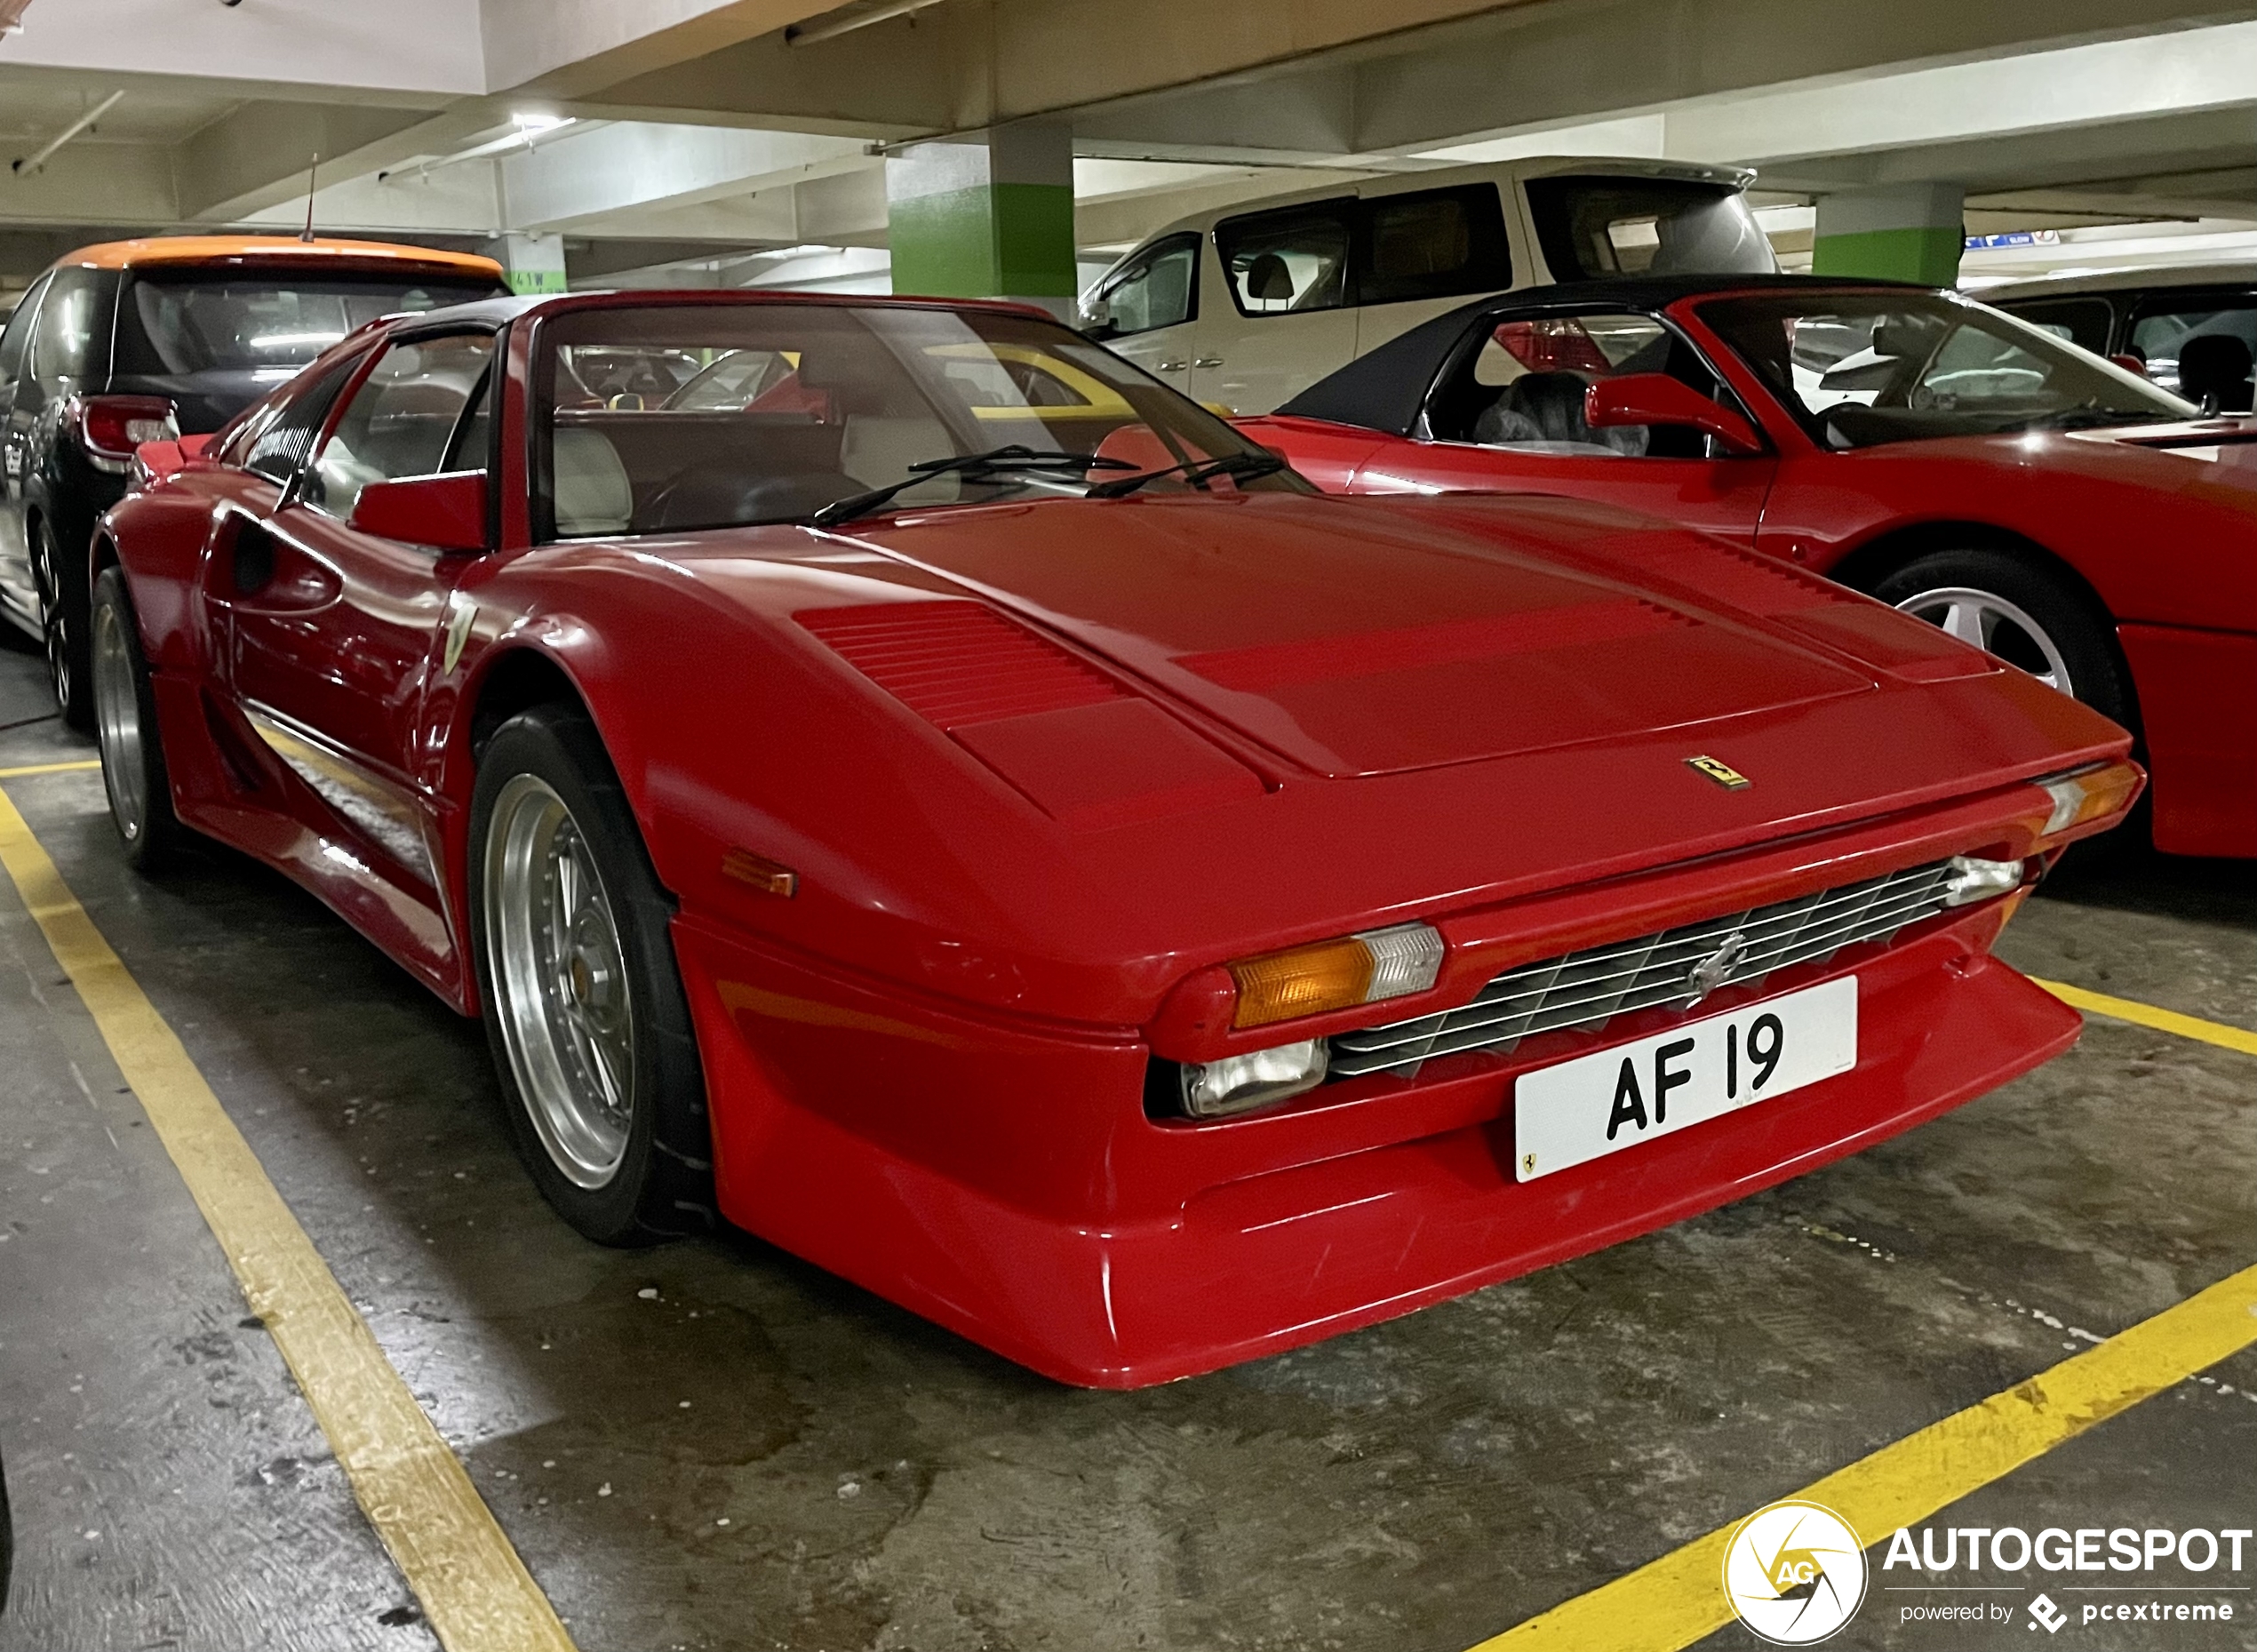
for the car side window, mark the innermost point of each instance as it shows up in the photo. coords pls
(1289, 262)
(403, 418)
(18, 336)
(274, 441)
(1159, 290)
(1435, 243)
(2201, 346)
(1523, 388)
(63, 334)
(2081, 322)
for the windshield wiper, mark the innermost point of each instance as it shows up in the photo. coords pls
(1198, 472)
(1012, 460)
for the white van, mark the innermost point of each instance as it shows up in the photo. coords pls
(1246, 307)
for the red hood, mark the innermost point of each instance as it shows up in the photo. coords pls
(1352, 640)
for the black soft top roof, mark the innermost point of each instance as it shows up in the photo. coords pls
(1385, 389)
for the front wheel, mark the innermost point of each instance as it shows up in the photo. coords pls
(2026, 616)
(584, 1004)
(124, 713)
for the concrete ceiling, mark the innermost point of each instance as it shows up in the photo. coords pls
(696, 124)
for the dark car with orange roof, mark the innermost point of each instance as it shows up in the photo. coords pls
(135, 341)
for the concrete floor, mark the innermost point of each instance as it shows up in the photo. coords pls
(761, 1456)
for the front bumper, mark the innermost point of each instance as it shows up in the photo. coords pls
(1006, 1183)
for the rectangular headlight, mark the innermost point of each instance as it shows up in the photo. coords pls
(1361, 969)
(1973, 879)
(1218, 1089)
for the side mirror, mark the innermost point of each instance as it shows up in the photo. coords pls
(447, 512)
(1658, 399)
(1097, 318)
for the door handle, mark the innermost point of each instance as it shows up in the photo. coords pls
(1208, 361)
(1169, 367)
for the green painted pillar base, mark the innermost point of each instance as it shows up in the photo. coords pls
(1909, 233)
(986, 217)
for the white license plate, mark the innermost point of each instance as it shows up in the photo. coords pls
(1600, 1103)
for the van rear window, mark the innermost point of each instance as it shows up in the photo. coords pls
(1593, 228)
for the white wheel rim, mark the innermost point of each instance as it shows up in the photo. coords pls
(1990, 622)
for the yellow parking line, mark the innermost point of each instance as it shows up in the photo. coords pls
(474, 1589)
(2147, 1015)
(1680, 1598)
(50, 768)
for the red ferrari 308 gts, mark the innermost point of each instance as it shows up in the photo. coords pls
(894, 777)
(2038, 501)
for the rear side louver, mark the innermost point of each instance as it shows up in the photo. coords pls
(958, 663)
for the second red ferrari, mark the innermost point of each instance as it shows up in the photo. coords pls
(2032, 499)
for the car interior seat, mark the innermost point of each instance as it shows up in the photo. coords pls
(1268, 281)
(591, 489)
(2214, 371)
(1548, 408)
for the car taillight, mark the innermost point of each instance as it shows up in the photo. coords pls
(109, 428)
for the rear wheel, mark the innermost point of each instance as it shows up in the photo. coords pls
(124, 714)
(2025, 616)
(64, 616)
(584, 1004)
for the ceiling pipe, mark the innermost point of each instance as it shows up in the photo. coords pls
(845, 21)
(521, 141)
(84, 123)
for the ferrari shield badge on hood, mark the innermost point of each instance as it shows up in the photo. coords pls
(1723, 774)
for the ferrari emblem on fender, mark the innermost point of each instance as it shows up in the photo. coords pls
(1723, 774)
(462, 614)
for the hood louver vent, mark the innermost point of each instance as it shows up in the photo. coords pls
(959, 664)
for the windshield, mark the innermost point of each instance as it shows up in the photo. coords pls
(1866, 368)
(767, 412)
(266, 323)
(1593, 228)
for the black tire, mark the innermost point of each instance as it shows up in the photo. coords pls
(65, 617)
(662, 1185)
(133, 772)
(2064, 617)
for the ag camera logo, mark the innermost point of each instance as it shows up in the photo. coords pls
(1794, 1573)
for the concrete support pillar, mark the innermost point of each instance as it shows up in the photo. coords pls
(987, 216)
(533, 263)
(1909, 232)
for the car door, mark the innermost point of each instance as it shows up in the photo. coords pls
(330, 633)
(17, 417)
(1291, 317)
(1509, 416)
(1151, 310)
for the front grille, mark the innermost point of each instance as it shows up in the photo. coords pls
(1582, 991)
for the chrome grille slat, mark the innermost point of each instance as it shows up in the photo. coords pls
(1587, 989)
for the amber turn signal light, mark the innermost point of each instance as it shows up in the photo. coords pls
(1335, 974)
(770, 877)
(2089, 795)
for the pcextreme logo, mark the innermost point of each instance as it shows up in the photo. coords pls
(1794, 1573)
